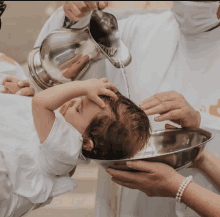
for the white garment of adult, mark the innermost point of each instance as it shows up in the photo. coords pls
(196, 17)
(163, 59)
(34, 172)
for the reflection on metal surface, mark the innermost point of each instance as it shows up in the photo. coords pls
(110, 51)
(66, 53)
(176, 147)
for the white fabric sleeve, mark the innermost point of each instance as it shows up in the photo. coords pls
(55, 21)
(6, 192)
(209, 121)
(61, 148)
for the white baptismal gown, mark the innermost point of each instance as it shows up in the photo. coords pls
(31, 174)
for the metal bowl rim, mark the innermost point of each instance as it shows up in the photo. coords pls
(32, 70)
(159, 155)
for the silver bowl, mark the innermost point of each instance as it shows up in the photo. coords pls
(175, 147)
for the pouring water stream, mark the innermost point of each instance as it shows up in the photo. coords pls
(122, 69)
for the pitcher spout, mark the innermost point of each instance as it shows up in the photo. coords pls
(103, 28)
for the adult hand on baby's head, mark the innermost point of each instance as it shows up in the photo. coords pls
(12, 85)
(152, 178)
(95, 87)
(172, 106)
(76, 10)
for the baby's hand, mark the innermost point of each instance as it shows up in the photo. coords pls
(95, 87)
(12, 85)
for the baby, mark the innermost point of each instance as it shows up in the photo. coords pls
(40, 149)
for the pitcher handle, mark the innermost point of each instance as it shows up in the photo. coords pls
(96, 7)
(70, 24)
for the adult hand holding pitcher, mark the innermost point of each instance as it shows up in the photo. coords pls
(67, 53)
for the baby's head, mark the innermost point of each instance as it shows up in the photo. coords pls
(119, 133)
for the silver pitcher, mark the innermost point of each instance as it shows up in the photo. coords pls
(66, 54)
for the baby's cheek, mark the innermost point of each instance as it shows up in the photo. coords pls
(75, 120)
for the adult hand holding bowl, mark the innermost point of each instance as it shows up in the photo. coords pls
(160, 180)
(152, 178)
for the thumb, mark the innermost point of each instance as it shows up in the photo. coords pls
(12, 87)
(169, 126)
(102, 4)
(23, 83)
(104, 80)
(144, 166)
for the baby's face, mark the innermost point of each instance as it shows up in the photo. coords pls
(79, 112)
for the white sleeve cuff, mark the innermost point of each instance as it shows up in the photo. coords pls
(63, 142)
(209, 121)
(60, 151)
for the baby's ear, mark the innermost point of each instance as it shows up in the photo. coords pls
(89, 145)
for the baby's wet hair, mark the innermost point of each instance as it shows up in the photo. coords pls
(120, 134)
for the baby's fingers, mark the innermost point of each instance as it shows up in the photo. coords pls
(102, 4)
(111, 87)
(9, 79)
(96, 99)
(104, 80)
(12, 87)
(109, 93)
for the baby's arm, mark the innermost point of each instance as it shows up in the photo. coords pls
(45, 102)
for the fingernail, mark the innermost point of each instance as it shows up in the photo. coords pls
(18, 93)
(20, 83)
(156, 119)
(107, 170)
(141, 104)
(129, 163)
